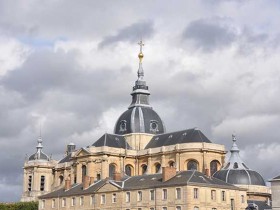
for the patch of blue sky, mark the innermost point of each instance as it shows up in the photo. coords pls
(40, 42)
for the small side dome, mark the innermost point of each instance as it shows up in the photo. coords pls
(236, 172)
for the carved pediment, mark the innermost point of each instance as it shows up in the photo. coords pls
(82, 152)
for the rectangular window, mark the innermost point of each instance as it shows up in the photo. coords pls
(29, 183)
(242, 199)
(178, 207)
(178, 193)
(114, 198)
(195, 193)
(152, 195)
(127, 197)
(139, 196)
(81, 201)
(223, 196)
(139, 209)
(63, 202)
(164, 194)
(232, 207)
(53, 203)
(103, 199)
(73, 201)
(92, 200)
(42, 186)
(43, 203)
(213, 195)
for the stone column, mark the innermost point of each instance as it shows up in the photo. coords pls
(149, 167)
(163, 161)
(178, 162)
(104, 167)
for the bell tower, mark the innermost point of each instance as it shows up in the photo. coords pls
(37, 175)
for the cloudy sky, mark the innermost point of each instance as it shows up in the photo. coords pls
(70, 66)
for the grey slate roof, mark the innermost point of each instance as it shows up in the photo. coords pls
(178, 137)
(182, 178)
(261, 205)
(67, 158)
(112, 140)
(276, 178)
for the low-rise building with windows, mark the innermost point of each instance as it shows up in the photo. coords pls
(168, 190)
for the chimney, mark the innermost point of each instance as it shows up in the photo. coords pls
(86, 182)
(168, 173)
(207, 172)
(117, 176)
(67, 184)
(91, 181)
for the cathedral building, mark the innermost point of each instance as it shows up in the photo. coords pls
(176, 170)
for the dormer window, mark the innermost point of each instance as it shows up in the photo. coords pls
(123, 126)
(154, 126)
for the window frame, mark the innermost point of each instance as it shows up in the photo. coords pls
(82, 202)
(178, 193)
(139, 195)
(195, 193)
(127, 197)
(152, 195)
(223, 194)
(164, 194)
(53, 203)
(103, 199)
(73, 201)
(63, 202)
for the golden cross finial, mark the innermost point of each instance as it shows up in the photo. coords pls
(141, 55)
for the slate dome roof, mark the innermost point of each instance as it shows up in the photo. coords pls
(236, 172)
(139, 120)
(39, 154)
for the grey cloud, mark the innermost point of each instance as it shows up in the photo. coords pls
(209, 34)
(132, 33)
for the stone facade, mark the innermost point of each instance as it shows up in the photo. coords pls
(275, 188)
(160, 195)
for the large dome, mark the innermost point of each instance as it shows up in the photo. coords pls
(236, 172)
(140, 116)
(139, 120)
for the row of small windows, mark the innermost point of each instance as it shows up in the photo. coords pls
(178, 195)
(191, 165)
(214, 195)
(114, 198)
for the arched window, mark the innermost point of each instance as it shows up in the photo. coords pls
(84, 172)
(214, 164)
(128, 170)
(192, 165)
(196, 208)
(172, 163)
(112, 170)
(60, 179)
(144, 169)
(157, 167)
(42, 186)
